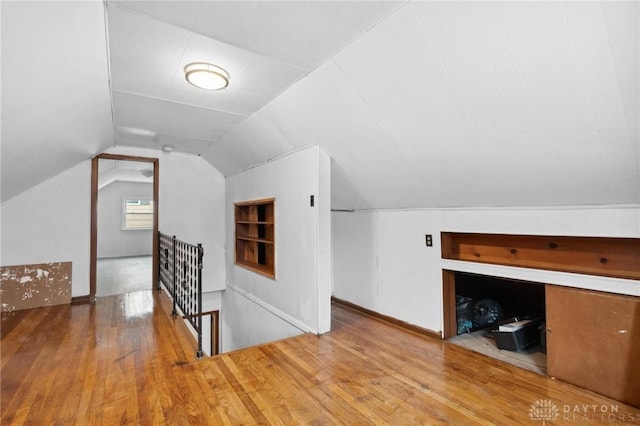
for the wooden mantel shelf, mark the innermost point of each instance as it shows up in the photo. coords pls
(611, 257)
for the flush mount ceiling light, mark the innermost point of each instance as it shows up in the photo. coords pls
(206, 76)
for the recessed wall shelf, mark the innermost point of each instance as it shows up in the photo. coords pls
(255, 236)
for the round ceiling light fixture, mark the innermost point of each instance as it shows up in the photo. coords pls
(206, 76)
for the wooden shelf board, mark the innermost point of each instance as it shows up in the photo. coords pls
(256, 267)
(258, 240)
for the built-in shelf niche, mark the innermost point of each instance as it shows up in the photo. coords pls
(255, 236)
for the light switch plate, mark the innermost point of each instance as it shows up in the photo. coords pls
(429, 240)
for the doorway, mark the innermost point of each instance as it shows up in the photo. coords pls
(154, 202)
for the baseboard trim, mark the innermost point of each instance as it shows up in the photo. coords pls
(388, 319)
(81, 300)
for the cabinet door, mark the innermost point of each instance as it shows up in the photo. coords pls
(593, 341)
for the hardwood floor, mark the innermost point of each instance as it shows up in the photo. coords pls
(124, 360)
(481, 341)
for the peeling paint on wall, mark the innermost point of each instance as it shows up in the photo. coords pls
(34, 286)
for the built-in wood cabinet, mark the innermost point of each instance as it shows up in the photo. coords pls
(609, 257)
(255, 236)
(593, 337)
(593, 341)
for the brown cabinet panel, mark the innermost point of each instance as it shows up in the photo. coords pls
(593, 341)
(613, 257)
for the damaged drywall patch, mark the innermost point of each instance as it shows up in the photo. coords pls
(34, 286)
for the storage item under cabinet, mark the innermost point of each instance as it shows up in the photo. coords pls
(519, 338)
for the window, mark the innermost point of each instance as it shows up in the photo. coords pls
(255, 236)
(137, 214)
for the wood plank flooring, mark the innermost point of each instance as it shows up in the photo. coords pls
(481, 341)
(124, 360)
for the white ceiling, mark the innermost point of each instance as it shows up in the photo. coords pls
(111, 171)
(55, 90)
(151, 42)
(419, 104)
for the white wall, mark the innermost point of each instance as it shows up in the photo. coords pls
(301, 291)
(51, 221)
(113, 241)
(381, 262)
(246, 321)
(325, 260)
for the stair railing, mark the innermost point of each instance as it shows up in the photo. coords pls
(181, 274)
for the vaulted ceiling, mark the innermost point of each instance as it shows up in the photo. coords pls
(112, 171)
(419, 104)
